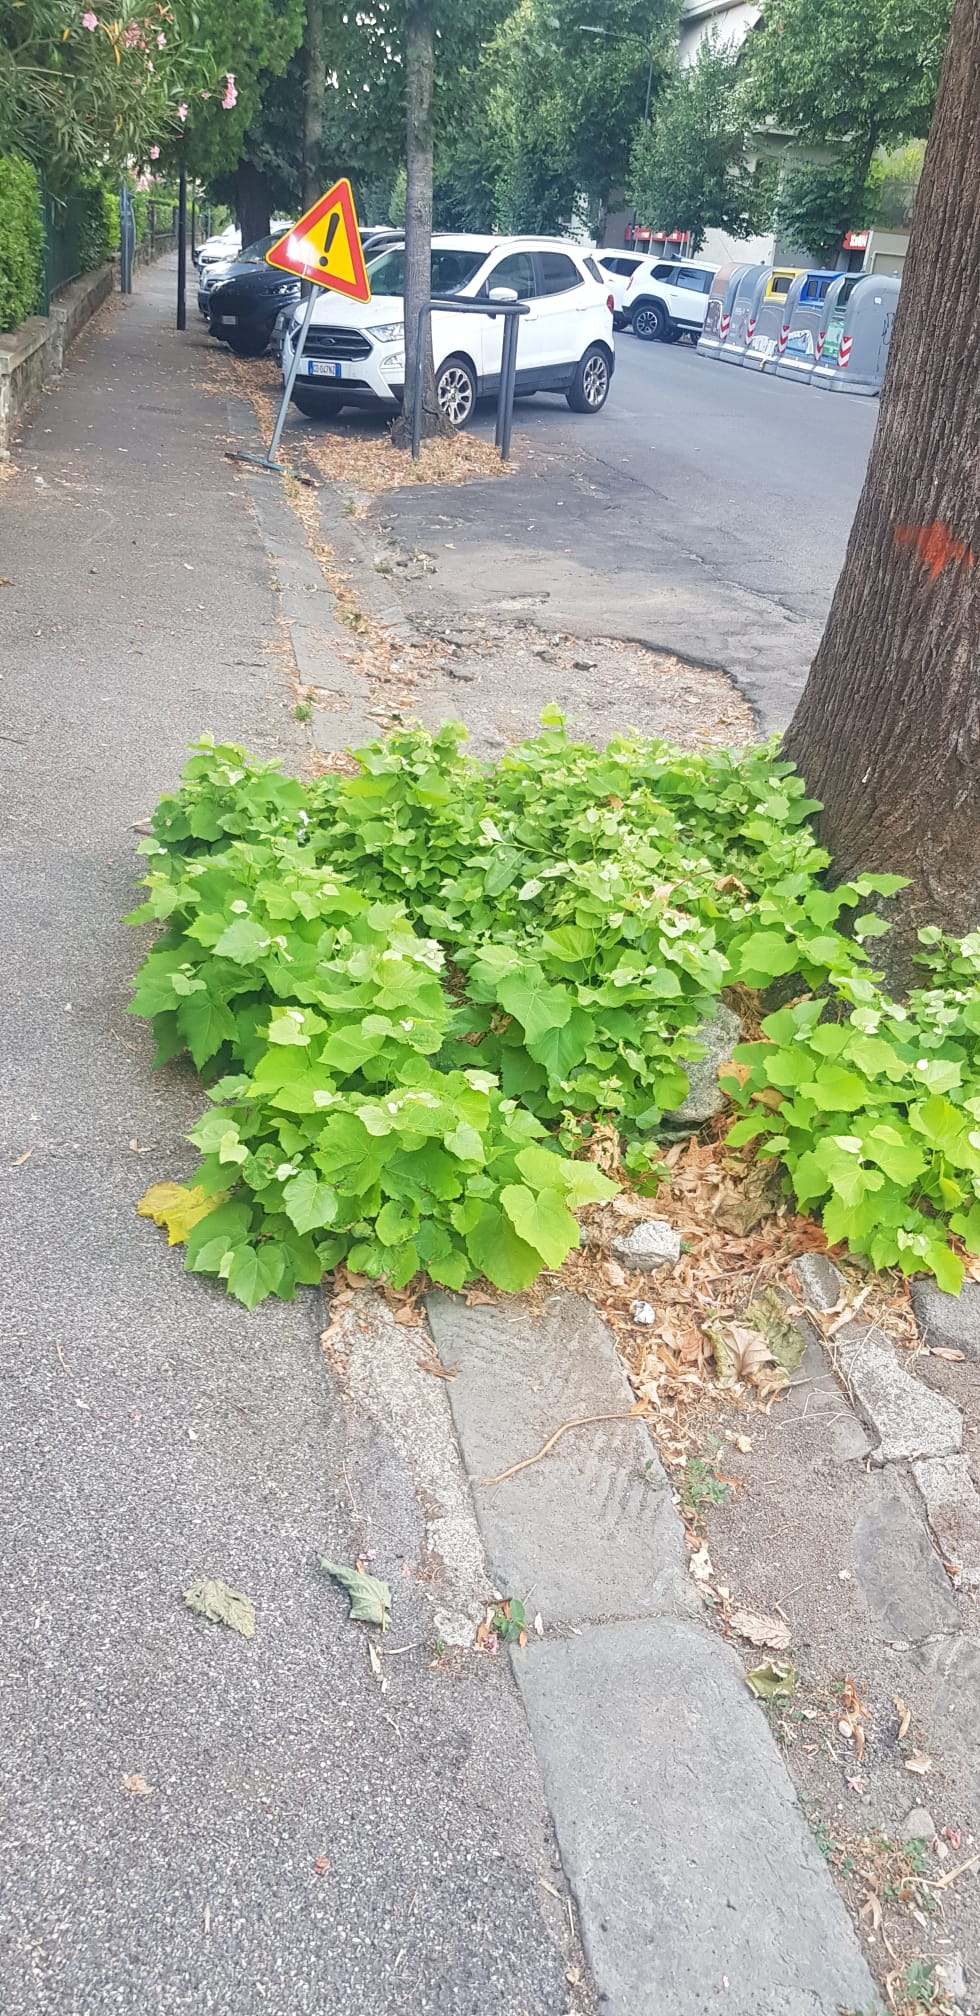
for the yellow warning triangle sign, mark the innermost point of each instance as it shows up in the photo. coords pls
(325, 246)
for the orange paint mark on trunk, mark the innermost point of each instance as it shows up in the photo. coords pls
(935, 546)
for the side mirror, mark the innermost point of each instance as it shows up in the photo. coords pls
(503, 294)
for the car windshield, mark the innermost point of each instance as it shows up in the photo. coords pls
(253, 254)
(452, 267)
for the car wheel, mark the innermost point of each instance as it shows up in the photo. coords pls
(316, 405)
(650, 322)
(590, 386)
(247, 346)
(673, 335)
(456, 391)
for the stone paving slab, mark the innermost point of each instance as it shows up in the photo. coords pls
(908, 1418)
(903, 1581)
(952, 1321)
(591, 1530)
(953, 1509)
(699, 1885)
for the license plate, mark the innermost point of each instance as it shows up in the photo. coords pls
(228, 321)
(318, 367)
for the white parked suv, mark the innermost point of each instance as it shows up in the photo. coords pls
(620, 268)
(667, 299)
(355, 352)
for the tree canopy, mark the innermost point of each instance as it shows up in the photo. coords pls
(688, 168)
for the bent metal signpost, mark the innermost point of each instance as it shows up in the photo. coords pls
(324, 247)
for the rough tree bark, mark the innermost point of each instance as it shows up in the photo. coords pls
(314, 86)
(252, 206)
(419, 83)
(887, 733)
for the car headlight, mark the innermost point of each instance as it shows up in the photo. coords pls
(388, 332)
(287, 287)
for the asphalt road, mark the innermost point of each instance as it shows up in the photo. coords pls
(705, 511)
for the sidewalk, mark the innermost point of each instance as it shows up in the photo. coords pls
(319, 1838)
(150, 1431)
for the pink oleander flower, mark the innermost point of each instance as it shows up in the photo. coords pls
(231, 95)
(154, 153)
(133, 36)
(161, 41)
(90, 21)
(182, 113)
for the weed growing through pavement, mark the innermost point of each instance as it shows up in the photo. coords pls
(702, 1486)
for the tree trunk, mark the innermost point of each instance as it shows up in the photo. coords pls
(419, 81)
(887, 733)
(314, 86)
(252, 206)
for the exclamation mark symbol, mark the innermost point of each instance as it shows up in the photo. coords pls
(332, 228)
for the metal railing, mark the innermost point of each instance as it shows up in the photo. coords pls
(451, 304)
(61, 259)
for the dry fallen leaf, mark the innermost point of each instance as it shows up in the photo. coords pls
(321, 1865)
(432, 1365)
(770, 1681)
(918, 1763)
(941, 1351)
(223, 1605)
(904, 1716)
(759, 1630)
(370, 1598)
(615, 1274)
(406, 1314)
(136, 1785)
(742, 1354)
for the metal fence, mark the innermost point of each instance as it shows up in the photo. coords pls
(63, 226)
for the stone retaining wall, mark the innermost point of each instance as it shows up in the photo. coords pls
(35, 353)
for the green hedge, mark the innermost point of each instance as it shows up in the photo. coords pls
(21, 240)
(99, 225)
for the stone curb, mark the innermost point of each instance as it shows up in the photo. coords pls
(308, 608)
(676, 1820)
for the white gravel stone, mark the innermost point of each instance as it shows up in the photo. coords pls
(920, 1825)
(651, 1244)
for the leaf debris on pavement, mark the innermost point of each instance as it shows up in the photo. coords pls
(136, 1785)
(213, 1599)
(772, 1680)
(759, 1630)
(370, 1598)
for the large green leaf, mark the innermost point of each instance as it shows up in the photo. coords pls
(564, 1046)
(255, 1272)
(309, 1203)
(537, 1005)
(205, 1024)
(243, 942)
(541, 1220)
(500, 1254)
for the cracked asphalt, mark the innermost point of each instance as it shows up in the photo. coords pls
(705, 512)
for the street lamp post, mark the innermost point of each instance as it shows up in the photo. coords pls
(614, 35)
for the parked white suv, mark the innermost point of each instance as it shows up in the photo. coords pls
(667, 299)
(620, 268)
(355, 352)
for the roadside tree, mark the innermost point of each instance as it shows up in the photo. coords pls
(688, 167)
(887, 733)
(862, 73)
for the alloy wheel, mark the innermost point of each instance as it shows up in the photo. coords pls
(455, 395)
